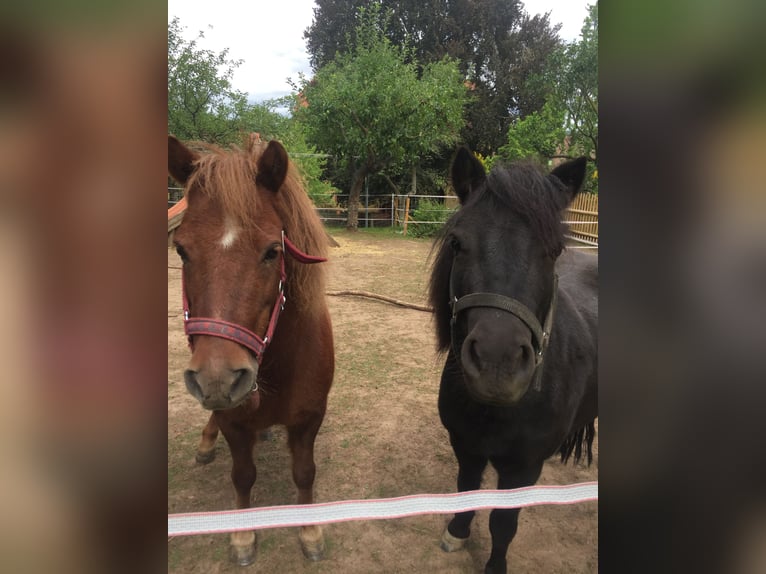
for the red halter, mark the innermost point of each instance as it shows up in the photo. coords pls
(232, 331)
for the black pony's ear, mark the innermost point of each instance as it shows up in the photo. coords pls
(467, 173)
(272, 166)
(180, 160)
(572, 175)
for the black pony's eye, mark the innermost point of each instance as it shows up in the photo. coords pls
(454, 244)
(182, 254)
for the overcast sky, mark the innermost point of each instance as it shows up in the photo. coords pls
(268, 36)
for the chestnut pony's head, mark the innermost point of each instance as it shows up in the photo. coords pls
(230, 241)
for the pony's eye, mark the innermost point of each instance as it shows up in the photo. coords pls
(182, 254)
(454, 244)
(270, 254)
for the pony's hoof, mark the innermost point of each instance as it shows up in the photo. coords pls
(313, 554)
(312, 542)
(243, 555)
(451, 543)
(205, 457)
(242, 547)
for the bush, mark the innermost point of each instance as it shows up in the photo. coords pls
(430, 211)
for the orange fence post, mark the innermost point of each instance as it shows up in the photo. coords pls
(406, 214)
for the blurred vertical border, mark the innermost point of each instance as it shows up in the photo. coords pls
(683, 287)
(83, 121)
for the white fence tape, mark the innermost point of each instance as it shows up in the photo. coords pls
(377, 509)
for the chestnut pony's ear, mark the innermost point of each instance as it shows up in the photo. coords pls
(272, 166)
(467, 173)
(180, 160)
(572, 175)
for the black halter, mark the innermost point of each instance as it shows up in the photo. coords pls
(540, 334)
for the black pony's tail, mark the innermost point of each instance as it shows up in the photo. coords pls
(576, 440)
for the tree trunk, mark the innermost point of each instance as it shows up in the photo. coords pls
(352, 223)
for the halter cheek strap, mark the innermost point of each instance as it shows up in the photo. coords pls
(237, 333)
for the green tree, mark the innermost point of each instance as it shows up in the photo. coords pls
(202, 104)
(571, 82)
(539, 135)
(578, 88)
(375, 109)
(310, 162)
(567, 124)
(497, 45)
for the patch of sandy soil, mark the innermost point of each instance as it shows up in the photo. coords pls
(381, 437)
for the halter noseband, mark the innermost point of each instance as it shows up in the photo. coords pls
(540, 334)
(237, 333)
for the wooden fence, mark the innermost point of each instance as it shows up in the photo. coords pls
(582, 218)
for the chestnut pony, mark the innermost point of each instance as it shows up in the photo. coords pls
(255, 311)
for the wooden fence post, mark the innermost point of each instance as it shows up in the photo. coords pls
(406, 214)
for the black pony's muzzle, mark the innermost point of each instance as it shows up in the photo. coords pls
(497, 358)
(501, 356)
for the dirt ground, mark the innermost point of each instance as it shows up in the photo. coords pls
(381, 437)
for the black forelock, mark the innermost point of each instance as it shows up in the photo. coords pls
(526, 190)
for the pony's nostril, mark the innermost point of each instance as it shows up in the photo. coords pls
(243, 383)
(474, 353)
(192, 384)
(469, 357)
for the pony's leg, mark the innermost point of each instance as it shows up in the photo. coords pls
(241, 441)
(470, 469)
(300, 438)
(206, 448)
(503, 523)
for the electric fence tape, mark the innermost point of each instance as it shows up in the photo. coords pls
(377, 509)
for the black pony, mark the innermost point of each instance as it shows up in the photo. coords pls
(519, 324)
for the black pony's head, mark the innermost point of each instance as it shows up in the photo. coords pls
(503, 240)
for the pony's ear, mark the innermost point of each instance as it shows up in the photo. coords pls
(467, 173)
(272, 166)
(180, 160)
(572, 175)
